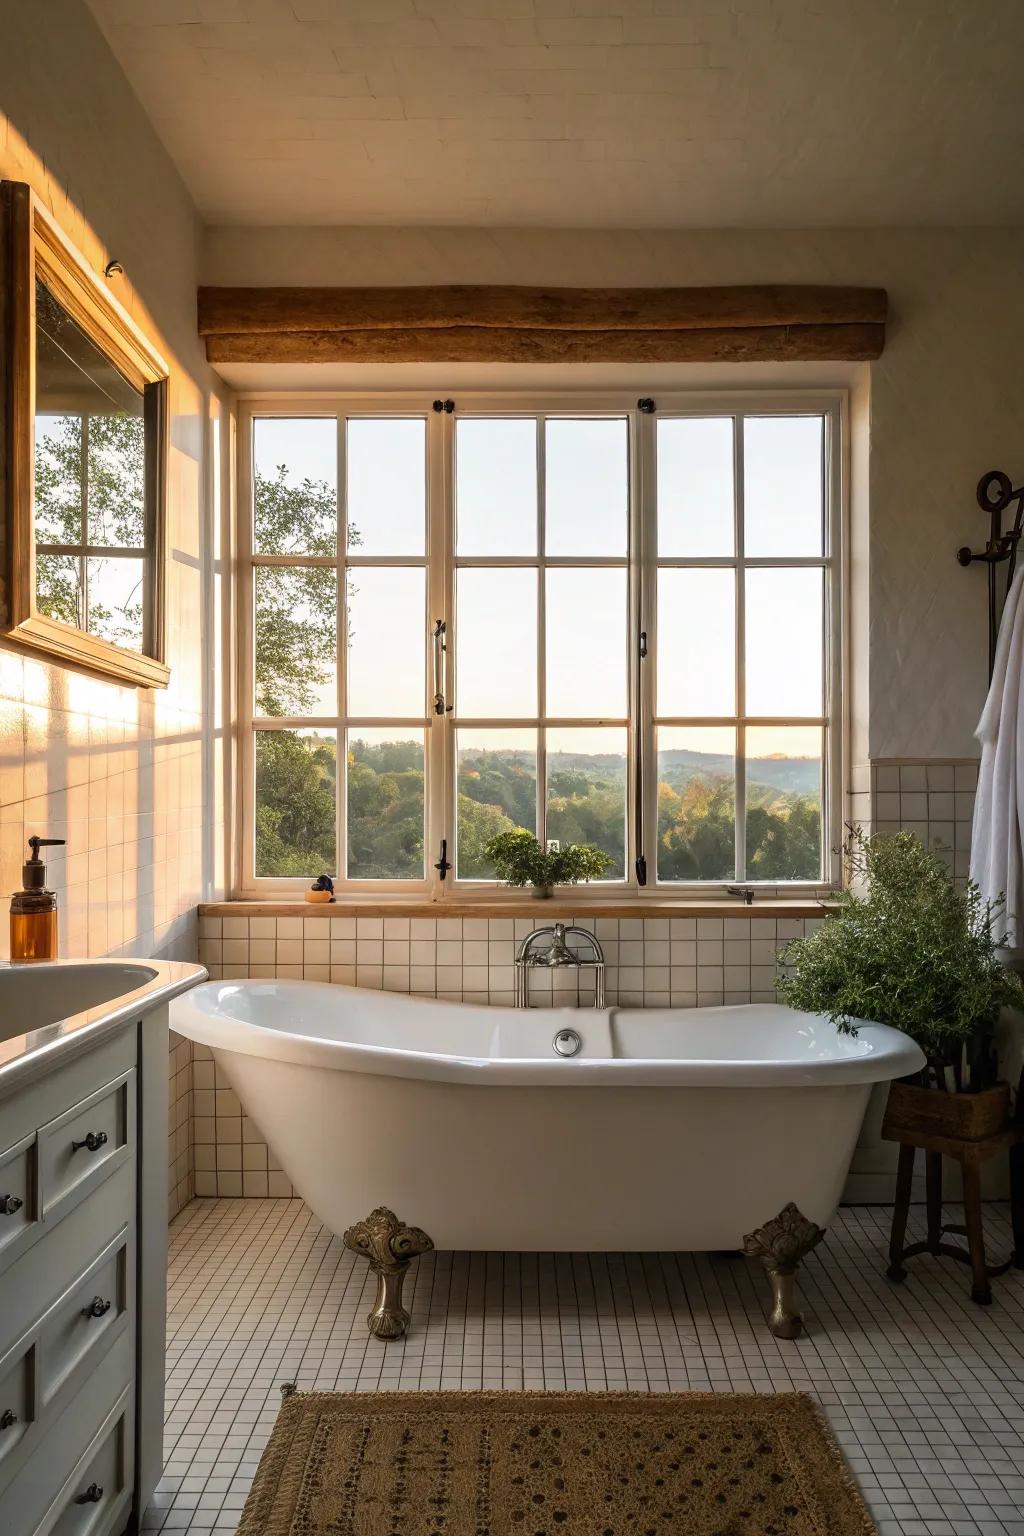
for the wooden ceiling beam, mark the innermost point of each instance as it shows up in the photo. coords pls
(512, 324)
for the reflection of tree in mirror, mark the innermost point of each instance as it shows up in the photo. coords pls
(106, 457)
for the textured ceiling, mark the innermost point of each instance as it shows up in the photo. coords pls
(603, 113)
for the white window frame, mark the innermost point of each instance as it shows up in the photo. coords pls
(441, 564)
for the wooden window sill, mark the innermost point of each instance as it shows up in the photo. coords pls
(768, 907)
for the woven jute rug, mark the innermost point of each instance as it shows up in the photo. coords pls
(552, 1464)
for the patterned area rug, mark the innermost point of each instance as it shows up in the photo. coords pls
(552, 1464)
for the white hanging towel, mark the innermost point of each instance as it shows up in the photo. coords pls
(997, 857)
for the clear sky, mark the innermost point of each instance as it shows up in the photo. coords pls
(583, 468)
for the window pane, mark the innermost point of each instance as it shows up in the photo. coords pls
(115, 594)
(295, 804)
(296, 640)
(586, 643)
(586, 503)
(116, 448)
(695, 486)
(386, 638)
(295, 485)
(385, 804)
(783, 492)
(784, 778)
(696, 803)
(496, 643)
(785, 642)
(586, 791)
(58, 479)
(696, 642)
(497, 792)
(496, 486)
(387, 487)
(59, 590)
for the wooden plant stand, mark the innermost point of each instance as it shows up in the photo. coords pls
(970, 1153)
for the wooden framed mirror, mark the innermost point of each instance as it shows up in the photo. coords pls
(83, 451)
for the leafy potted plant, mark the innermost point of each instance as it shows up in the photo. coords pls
(518, 859)
(909, 949)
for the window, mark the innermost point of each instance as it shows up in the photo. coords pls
(82, 499)
(598, 623)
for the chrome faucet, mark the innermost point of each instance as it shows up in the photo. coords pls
(556, 954)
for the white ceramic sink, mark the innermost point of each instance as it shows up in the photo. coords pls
(32, 996)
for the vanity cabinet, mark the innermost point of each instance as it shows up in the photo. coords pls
(82, 1285)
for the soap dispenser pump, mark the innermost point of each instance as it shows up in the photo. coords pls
(34, 908)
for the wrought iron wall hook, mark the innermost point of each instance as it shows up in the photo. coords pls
(995, 494)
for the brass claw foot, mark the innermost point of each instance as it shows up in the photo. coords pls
(388, 1246)
(780, 1245)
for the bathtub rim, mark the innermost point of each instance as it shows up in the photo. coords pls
(892, 1055)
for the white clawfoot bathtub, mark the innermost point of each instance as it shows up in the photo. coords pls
(671, 1129)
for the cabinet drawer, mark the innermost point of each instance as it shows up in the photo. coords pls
(100, 1485)
(19, 1208)
(82, 1146)
(17, 1401)
(61, 1353)
(44, 1274)
(91, 1441)
(81, 1325)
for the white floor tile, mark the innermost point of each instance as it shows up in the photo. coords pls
(924, 1390)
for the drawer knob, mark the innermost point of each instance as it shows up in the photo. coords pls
(10, 1205)
(7, 1418)
(96, 1308)
(93, 1141)
(92, 1495)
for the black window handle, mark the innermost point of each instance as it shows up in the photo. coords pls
(92, 1495)
(10, 1205)
(93, 1141)
(7, 1418)
(96, 1308)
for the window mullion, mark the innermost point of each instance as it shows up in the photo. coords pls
(439, 743)
(83, 617)
(542, 637)
(643, 557)
(341, 658)
(741, 678)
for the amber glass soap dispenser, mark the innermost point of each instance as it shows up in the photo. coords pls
(34, 908)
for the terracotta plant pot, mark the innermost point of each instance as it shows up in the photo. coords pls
(961, 1116)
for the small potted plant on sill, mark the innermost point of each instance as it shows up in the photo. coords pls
(906, 948)
(519, 860)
